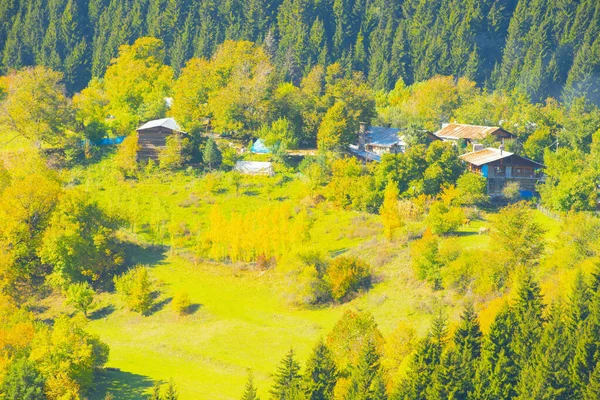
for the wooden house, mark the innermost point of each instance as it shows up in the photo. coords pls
(374, 141)
(152, 137)
(471, 133)
(500, 167)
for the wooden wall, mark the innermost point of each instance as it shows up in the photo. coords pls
(151, 141)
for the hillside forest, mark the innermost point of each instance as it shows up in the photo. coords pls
(541, 47)
(334, 278)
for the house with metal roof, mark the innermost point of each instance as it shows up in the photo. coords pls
(500, 167)
(152, 137)
(374, 141)
(471, 133)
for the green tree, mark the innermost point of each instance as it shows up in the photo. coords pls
(23, 381)
(518, 236)
(321, 373)
(366, 375)
(136, 84)
(80, 296)
(212, 154)
(334, 131)
(472, 189)
(288, 381)
(250, 389)
(34, 107)
(135, 289)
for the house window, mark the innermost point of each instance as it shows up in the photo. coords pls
(500, 170)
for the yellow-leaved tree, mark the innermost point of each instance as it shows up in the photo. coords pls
(389, 211)
(33, 106)
(136, 84)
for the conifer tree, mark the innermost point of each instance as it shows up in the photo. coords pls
(288, 381)
(365, 379)
(321, 373)
(250, 389)
(212, 154)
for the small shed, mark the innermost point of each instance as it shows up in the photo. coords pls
(254, 168)
(259, 147)
(152, 137)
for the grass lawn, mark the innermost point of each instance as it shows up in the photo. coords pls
(242, 318)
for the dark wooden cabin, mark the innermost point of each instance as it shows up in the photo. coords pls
(500, 167)
(152, 137)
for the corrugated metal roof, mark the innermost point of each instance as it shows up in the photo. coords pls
(367, 155)
(461, 131)
(485, 156)
(164, 122)
(383, 136)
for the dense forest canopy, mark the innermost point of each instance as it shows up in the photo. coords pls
(543, 47)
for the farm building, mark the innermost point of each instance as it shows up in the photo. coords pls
(152, 137)
(500, 167)
(254, 168)
(373, 141)
(471, 133)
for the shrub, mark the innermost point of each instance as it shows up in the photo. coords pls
(472, 189)
(176, 153)
(347, 275)
(426, 260)
(126, 158)
(512, 191)
(443, 219)
(181, 302)
(135, 289)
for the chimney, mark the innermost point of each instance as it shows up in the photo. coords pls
(477, 147)
(362, 135)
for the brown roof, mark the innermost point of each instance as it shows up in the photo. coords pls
(461, 131)
(489, 155)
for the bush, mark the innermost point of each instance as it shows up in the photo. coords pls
(181, 302)
(126, 158)
(135, 289)
(443, 219)
(347, 275)
(176, 153)
(426, 259)
(472, 189)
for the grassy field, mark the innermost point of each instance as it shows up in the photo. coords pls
(242, 318)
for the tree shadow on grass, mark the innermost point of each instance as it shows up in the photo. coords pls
(102, 312)
(145, 255)
(122, 385)
(192, 308)
(159, 305)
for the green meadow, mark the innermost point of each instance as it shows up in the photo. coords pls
(240, 317)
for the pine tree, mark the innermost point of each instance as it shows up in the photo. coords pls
(250, 389)
(364, 381)
(212, 154)
(288, 381)
(321, 374)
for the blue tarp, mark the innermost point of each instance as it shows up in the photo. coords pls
(259, 147)
(106, 141)
(484, 171)
(526, 194)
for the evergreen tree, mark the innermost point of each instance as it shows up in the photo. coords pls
(288, 381)
(212, 154)
(321, 373)
(249, 389)
(365, 380)
(22, 382)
